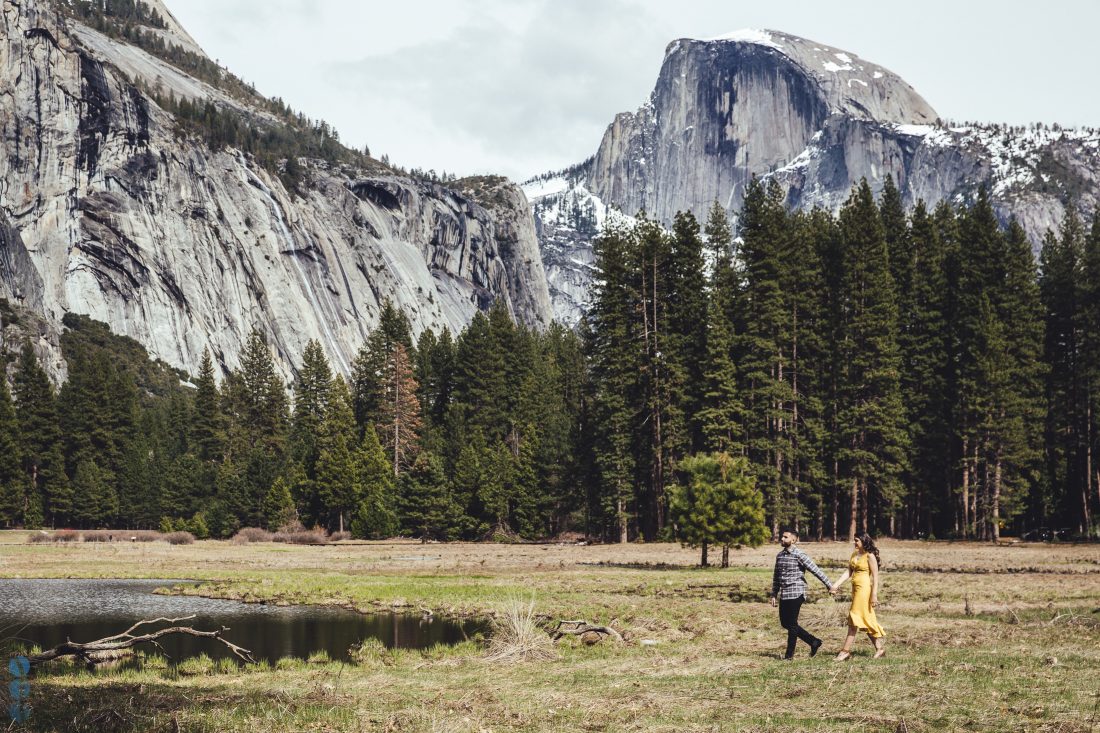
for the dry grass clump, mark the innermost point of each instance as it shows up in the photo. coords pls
(106, 535)
(251, 534)
(338, 536)
(61, 535)
(303, 537)
(517, 637)
(96, 535)
(179, 538)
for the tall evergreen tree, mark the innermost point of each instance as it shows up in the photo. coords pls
(1089, 328)
(764, 230)
(42, 443)
(426, 508)
(209, 423)
(399, 412)
(687, 305)
(871, 422)
(97, 502)
(612, 349)
(1060, 265)
(722, 412)
(376, 515)
(925, 347)
(12, 479)
(339, 486)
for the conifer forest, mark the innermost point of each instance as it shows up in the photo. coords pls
(906, 374)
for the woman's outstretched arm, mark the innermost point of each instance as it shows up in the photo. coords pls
(841, 579)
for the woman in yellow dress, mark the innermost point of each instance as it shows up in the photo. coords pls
(863, 569)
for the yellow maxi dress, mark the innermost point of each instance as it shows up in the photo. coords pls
(861, 615)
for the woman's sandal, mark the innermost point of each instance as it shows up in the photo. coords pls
(843, 656)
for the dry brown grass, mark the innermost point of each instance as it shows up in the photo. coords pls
(518, 637)
(1023, 659)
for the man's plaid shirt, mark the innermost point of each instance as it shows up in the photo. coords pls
(788, 580)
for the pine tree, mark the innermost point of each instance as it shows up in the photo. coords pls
(1089, 328)
(663, 434)
(279, 509)
(12, 478)
(399, 412)
(264, 407)
(42, 445)
(870, 420)
(687, 298)
(1017, 405)
(97, 503)
(613, 355)
(34, 517)
(209, 423)
(426, 508)
(765, 230)
(367, 370)
(311, 395)
(376, 515)
(925, 346)
(803, 343)
(717, 504)
(338, 482)
(1060, 287)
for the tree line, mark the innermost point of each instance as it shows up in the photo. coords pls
(909, 374)
(442, 438)
(913, 375)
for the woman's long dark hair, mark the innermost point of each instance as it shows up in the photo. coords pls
(869, 546)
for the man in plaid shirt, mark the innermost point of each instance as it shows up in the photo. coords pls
(789, 587)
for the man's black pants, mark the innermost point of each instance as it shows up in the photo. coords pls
(788, 616)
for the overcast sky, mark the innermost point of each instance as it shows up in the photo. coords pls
(524, 86)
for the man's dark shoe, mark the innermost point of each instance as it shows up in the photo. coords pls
(815, 646)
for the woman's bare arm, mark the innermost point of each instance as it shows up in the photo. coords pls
(842, 578)
(872, 562)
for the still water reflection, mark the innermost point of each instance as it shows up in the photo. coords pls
(47, 612)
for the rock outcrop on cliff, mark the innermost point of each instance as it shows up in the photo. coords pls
(817, 119)
(108, 207)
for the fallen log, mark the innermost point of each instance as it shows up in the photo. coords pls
(581, 628)
(95, 652)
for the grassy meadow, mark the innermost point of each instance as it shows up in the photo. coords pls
(980, 638)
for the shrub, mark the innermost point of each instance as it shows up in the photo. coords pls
(100, 535)
(179, 538)
(167, 525)
(143, 535)
(197, 526)
(304, 537)
(338, 536)
(252, 534)
(40, 537)
(66, 535)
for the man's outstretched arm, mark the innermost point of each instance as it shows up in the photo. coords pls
(808, 564)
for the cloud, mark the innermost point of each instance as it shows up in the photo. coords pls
(510, 92)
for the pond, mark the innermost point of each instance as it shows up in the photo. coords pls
(47, 612)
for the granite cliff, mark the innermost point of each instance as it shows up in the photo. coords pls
(815, 118)
(110, 208)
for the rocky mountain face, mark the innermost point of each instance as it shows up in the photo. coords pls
(108, 209)
(815, 118)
